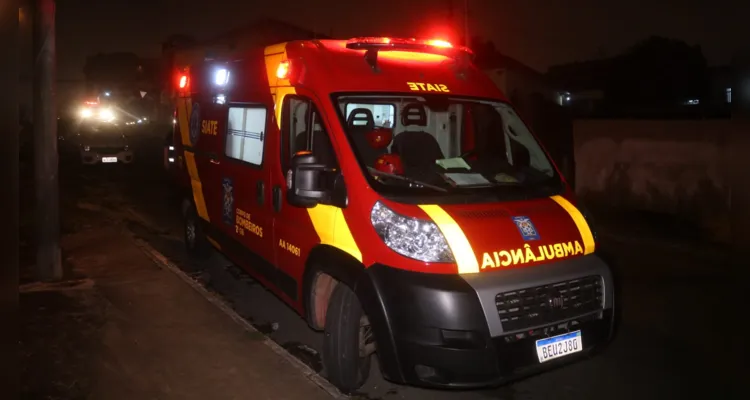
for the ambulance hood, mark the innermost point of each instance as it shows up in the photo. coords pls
(513, 234)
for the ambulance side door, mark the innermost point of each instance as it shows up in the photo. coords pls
(246, 215)
(206, 127)
(302, 128)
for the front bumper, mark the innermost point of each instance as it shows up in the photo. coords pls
(94, 157)
(445, 331)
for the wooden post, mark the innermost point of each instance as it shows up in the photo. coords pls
(47, 215)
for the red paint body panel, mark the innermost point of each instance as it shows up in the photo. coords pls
(490, 228)
(322, 69)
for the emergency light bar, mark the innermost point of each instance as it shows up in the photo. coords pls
(398, 44)
(432, 46)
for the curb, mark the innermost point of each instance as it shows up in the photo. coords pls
(308, 372)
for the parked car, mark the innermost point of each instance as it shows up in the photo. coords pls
(102, 142)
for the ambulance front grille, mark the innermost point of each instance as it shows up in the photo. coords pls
(547, 304)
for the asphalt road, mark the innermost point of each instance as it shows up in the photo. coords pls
(681, 335)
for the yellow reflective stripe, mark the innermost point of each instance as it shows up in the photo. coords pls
(214, 243)
(278, 94)
(184, 106)
(195, 182)
(328, 221)
(583, 226)
(331, 227)
(457, 241)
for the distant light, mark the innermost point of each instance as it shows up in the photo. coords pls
(567, 98)
(106, 94)
(729, 95)
(221, 99)
(174, 121)
(171, 159)
(171, 148)
(693, 102)
(140, 121)
(222, 77)
(86, 113)
(145, 119)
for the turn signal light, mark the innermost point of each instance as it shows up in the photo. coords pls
(282, 72)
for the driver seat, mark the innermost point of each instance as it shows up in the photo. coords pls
(418, 149)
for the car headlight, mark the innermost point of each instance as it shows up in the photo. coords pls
(106, 114)
(411, 237)
(85, 113)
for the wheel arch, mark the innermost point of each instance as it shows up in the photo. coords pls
(342, 267)
(325, 260)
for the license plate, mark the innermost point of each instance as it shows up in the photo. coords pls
(559, 346)
(109, 159)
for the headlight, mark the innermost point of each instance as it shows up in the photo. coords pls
(411, 237)
(85, 113)
(106, 114)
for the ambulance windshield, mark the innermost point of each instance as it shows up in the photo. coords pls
(443, 144)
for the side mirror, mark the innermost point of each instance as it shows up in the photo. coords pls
(310, 182)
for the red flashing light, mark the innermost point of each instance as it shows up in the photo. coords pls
(440, 43)
(282, 72)
(437, 46)
(183, 81)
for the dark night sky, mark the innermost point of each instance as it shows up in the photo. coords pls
(539, 33)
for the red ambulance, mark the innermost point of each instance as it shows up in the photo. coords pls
(387, 191)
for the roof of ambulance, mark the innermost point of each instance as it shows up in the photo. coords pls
(345, 70)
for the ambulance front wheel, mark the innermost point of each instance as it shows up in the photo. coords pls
(348, 343)
(196, 244)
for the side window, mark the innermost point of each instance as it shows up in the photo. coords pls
(246, 134)
(302, 129)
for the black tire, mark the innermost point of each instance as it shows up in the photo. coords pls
(344, 366)
(196, 244)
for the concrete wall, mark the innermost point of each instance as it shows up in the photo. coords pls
(694, 169)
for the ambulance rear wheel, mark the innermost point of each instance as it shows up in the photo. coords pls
(347, 343)
(196, 244)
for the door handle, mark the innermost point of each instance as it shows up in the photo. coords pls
(277, 198)
(260, 192)
(215, 161)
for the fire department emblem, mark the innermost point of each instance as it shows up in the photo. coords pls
(228, 213)
(195, 123)
(526, 227)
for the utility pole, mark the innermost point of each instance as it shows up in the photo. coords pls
(9, 166)
(48, 263)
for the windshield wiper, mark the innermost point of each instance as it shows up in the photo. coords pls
(405, 179)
